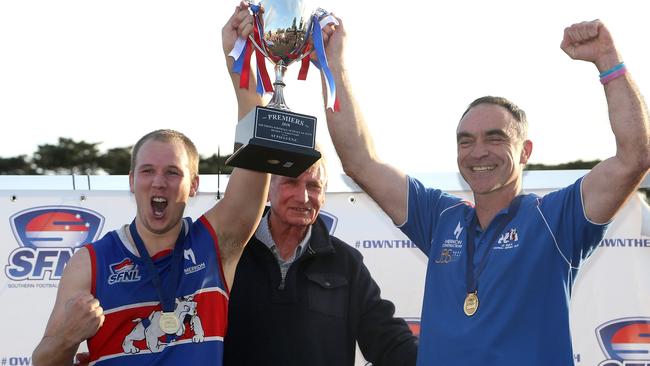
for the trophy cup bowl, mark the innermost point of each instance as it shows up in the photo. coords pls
(285, 25)
(274, 139)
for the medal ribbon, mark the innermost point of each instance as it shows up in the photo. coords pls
(167, 298)
(471, 275)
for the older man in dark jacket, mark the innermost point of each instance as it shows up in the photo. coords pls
(304, 297)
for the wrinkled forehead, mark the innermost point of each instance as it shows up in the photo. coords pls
(315, 173)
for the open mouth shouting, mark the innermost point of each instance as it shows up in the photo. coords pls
(158, 206)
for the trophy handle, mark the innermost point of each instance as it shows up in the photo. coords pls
(258, 47)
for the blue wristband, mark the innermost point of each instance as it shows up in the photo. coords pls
(612, 70)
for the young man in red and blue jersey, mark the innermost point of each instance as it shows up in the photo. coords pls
(156, 291)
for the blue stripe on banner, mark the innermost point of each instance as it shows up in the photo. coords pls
(71, 223)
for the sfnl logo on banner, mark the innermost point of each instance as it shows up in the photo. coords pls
(625, 342)
(48, 236)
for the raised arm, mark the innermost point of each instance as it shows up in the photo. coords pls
(384, 183)
(76, 316)
(606, 188)
(236, 216)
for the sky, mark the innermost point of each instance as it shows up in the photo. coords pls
(111, 71)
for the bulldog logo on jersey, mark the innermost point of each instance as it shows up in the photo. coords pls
(48, 236)
(148, 329)
(124, 271)
(625, 342)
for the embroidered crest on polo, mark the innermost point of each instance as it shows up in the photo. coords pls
(508, 240)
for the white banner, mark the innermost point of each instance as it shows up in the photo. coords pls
(39, 230)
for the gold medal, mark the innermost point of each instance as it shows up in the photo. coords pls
(169, 322)
(471, 304)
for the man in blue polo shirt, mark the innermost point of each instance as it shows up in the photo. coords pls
(500, 271)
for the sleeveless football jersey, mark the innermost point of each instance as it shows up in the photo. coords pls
(131, 333)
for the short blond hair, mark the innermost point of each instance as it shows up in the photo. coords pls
(166, 135)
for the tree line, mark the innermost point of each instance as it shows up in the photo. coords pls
(80, 157)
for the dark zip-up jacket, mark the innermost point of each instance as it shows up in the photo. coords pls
(328, 303)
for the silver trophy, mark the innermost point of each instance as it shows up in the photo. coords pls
(274, 139)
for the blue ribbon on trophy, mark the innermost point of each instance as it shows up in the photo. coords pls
(319, 48)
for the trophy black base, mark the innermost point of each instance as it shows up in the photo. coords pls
(275, 141)
(262, 156)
